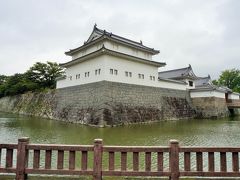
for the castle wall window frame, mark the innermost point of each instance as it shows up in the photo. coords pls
(114, 71)
(141, 76)
(78, 76)
(97, 71)
(111, 71)
(128, 74)
(152, 78)
(87, 74)
(190, 83)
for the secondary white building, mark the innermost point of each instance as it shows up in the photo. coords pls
(109, 57)
(183, 74)
(199, 87)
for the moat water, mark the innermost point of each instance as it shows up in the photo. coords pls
(195, 132)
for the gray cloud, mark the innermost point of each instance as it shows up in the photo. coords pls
(204, 33)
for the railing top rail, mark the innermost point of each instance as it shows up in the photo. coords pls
(8, 146)
(209, 149)
(59, 147)
(136, 149)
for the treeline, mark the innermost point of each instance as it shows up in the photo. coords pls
(229, 78)
(39, 77)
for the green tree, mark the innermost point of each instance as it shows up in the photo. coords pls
(3, 79)
(38, 77)
(45, 74)
(215, 82)
(17, 84)
(231, 79)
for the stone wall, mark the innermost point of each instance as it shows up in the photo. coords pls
(104, 104)
(208, 107)
(35, 104)
(108, 103)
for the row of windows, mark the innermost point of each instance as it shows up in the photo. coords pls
(86, 74)
(129, 74)
(113, 72)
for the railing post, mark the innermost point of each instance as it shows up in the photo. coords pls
(174, 160)
(97, 160)
(22, 157)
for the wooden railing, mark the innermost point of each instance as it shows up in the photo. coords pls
(98, 160)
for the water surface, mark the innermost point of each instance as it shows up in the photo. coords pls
(195, 132)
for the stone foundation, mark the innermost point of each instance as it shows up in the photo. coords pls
(104, 104)
(209, 107)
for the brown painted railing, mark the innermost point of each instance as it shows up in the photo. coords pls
(98, 160)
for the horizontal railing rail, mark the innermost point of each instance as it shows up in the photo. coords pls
(214, 155)
(98, 160)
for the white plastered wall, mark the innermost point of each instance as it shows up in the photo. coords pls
(107, 62)
(234, 96)
(86, 66)
(210, 93)
(115, 47)
(123, 65)
(127, 50)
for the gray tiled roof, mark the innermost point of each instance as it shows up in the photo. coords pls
(201, 81)
(178, 73)
(98, 33)
(206, 82)
(210, 87)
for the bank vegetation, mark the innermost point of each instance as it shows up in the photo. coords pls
(39, 77)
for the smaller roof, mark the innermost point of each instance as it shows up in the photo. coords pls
(211, 87)
(201, 81)
(178, 73)
(171, 80)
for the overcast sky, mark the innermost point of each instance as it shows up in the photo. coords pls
(203, 33)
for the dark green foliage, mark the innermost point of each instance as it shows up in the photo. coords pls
(3, 79)
(229, 78)
(39, 77)
(44, 74)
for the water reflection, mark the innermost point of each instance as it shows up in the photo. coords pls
(207, 132)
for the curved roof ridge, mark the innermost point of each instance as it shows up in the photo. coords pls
(173, 70)
(178, 73)
(103, 33)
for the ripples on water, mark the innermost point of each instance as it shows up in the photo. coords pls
(202, 132)
(217, 132)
